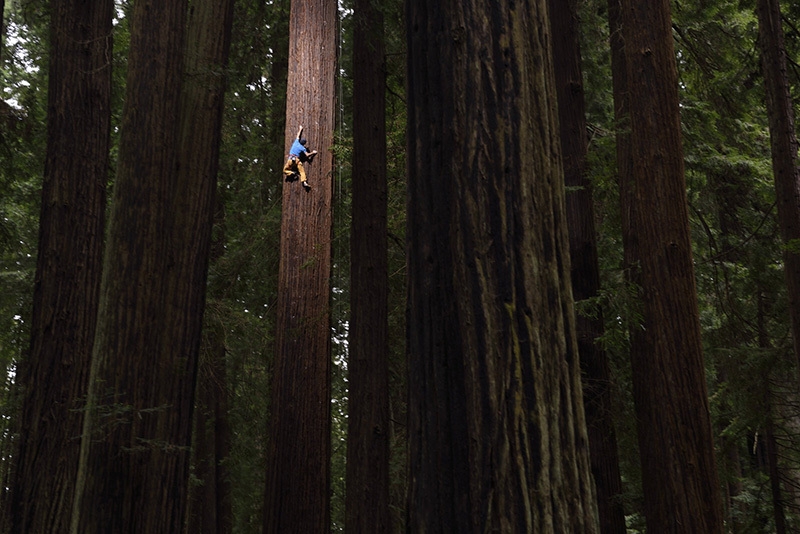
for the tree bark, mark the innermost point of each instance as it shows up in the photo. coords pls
(54, 377)
(298, 468)
(496, 425)
(135, 443)
(585, 272)
(210, 500)
(367, 478)
(679, 475)
(783, 141)
(207, 50)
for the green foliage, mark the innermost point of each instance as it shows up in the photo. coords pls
(22, 144)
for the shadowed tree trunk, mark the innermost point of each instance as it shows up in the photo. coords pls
(497, 433)
(210, 501)
(679, 475)
(783, 141)
(367, 496)
(585, 272)
(55, 374)
(135, 446)
(208, 45)
(298, 465)
(279, 66)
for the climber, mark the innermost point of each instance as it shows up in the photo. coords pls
(297, 155)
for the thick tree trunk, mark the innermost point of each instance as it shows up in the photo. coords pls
(783, 140)
(298, 468)
(55, 375)
(367, 496)
(680, 481)
(585, 272)
(135, 450)
(497, 432)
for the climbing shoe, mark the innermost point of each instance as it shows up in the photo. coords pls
(306, 186)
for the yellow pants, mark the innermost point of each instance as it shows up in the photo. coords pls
(295, 166)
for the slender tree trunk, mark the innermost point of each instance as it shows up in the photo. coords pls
(55, 375)
(210, 501)
(680, 481)
(496, 426)
(208, 45)
(3, 30)
(135, 445)
(367, 496)
(298, 468)
(783, 140)
(585, 272)
(279, 67)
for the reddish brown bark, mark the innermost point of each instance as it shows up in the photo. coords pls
(298, 468)
(680, 481)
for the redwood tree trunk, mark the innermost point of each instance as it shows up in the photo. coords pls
(55, 375)
(783, 140)
(367, 496)
(298, 468)
(208, 44)
(585, 272)
(680, 483)
(135, 444)
(497, 433)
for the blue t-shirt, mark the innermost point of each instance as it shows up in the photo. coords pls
(297, 148)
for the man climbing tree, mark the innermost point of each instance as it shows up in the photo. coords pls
(298, 154)
(298, 461)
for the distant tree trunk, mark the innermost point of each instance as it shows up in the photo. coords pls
(680, 483)
(135, 444)
(497, 433)
(298, 468)
(279, 66)
(783, 140)
(3, 29)
(208, 44)
(367, 480)
(585, 272)
(55, 375)
(210, 501)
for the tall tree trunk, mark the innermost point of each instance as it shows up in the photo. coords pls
(55, 375)
(3, 30)
(207, 48)
(585, 272)
(135, 444)
(210, 501)
(679, 474)
(279, 67)
(298, 468)
(367, 479)
(783, 140)
(496, 425)
(779, 513)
